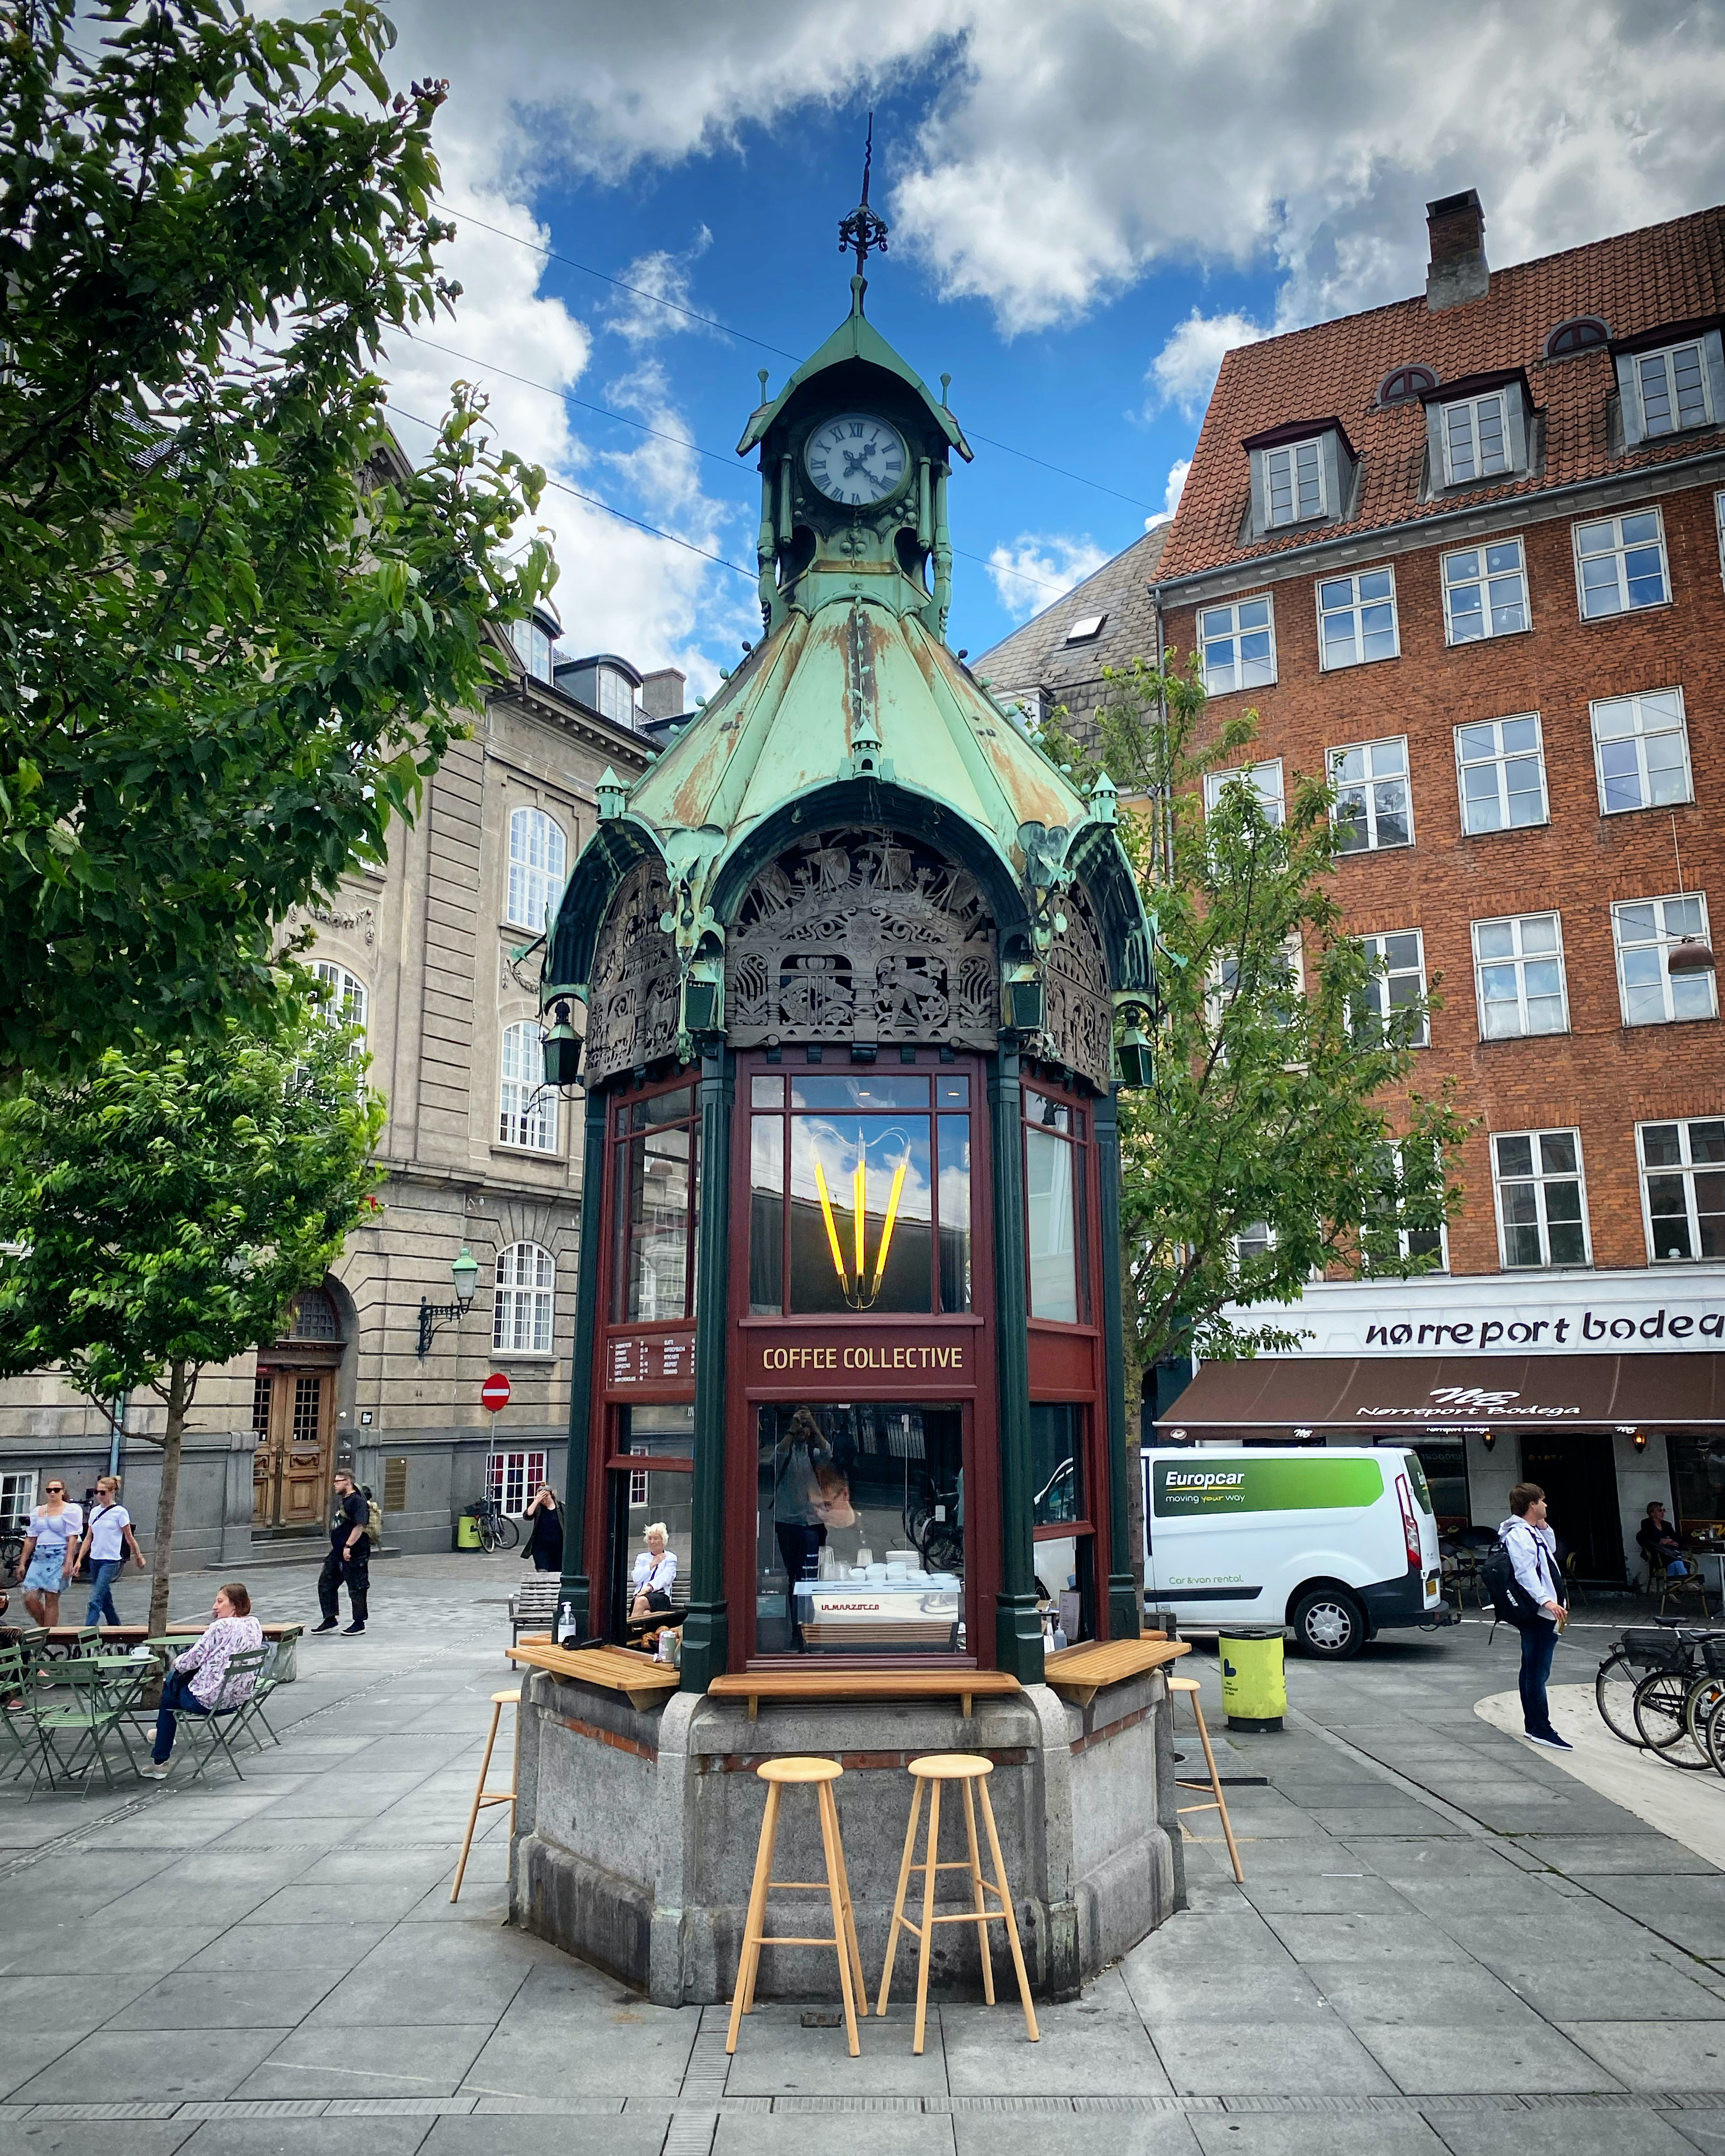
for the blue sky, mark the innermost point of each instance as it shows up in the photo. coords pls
(1090, 202)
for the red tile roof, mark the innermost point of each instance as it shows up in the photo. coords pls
(1670, 273)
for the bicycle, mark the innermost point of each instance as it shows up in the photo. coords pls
(496, 1530)
(1661, 1649)
(1677, 1699)
(11, 1554)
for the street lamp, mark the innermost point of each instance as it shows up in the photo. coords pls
(432, 1314)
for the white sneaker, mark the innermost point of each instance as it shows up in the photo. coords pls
(152, 1772)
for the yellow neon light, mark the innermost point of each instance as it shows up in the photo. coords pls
(826, 1208)
(859, 1204)
(898, 1184)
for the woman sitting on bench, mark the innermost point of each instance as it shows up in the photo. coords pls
(654, 1570)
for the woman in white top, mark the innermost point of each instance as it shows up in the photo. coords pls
(107, 1539)
(656, 1568)
(50, 1552)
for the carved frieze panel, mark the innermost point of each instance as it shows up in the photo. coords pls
(862, 935)
(632, 1002)
(1078, 1011)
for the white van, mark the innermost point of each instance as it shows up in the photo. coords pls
(1335, 1541)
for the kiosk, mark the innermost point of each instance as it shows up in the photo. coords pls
(841, 975)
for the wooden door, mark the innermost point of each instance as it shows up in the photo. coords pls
(293, 1416)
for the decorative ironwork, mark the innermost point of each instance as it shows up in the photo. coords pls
(863, 935)
(863, 231)
(632, 1000)
(1078, 1014)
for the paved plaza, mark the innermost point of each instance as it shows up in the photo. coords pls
(1445, 1941)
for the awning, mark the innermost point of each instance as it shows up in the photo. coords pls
(1292, 1396)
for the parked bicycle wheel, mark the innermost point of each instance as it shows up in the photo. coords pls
(1705, 1693)
(487, 1523)
(1661, 1711)
(1713, 1735)
(1615, 1695)
(508, 1532)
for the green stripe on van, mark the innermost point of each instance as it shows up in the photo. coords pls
(1182, 1487)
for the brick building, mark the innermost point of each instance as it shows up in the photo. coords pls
(1466, 550)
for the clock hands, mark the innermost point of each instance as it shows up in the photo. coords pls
(860, 462)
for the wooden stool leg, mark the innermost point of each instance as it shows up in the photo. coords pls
(861, 1982)
(898, 1899)
(930, 1854)
(1209, 1760)
(755, 1922)
(479, 1794)
(835, 1895)
(1012, 1920)
(982, 1907)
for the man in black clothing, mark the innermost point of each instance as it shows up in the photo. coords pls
(349, 1560)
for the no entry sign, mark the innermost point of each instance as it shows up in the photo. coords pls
(494, 1394)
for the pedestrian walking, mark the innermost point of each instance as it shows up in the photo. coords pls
(50, 1550)
(195, 1684)
(545, 1538)
(1539, 1611)
(108, 1538)
(349, 1562)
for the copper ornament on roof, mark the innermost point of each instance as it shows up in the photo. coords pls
(631, 1008)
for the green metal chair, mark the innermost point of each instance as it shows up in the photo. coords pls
(14, 1707)
(207, 1734)
(82, 1706)
(251, 1710)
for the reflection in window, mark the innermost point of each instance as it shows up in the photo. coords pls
(1055, 1467)
(654, 1269)
(860, 1539)
(648, 1495)
(1054, 1214)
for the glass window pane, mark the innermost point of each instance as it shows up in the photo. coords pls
(1520, 735)
(645, 1497)
(860, 1539)
(767, 1091)
(1707, 1142)
(951, 1092)
(1569, 1246)
(864, 1089)
(1556, 1153)
(1660, 1146)
(1052, 1224)
(1056, 1464)
(767, 1216)
(953, 1139)
(872, 1255)
(1515, 1156)
(654, 1218)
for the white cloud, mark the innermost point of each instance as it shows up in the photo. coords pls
(1184, 371)
(1176, 472)
(1038, 568)
(654, 306)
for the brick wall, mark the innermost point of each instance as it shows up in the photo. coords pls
(1601, 1077)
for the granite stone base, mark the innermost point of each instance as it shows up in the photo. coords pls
(636, 1833)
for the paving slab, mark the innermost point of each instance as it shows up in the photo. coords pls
(85, 2137)
(1328, 2135)
(628, 2048)
(1304, 2058)
(888, 2134)
(1656, 2055)
(1567, 2133)
(628, 2133)
(287, 1948)
(373, 2135)
(1098, 2043)
(1521, 2055)
(225, 1999)
(1643, 1988)
(374, 2059)
(116, 2066)
(776, 2055)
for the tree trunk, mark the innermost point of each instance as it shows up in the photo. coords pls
(178, 1399)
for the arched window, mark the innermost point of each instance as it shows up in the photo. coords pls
(348, 1001)
(1585, 333)
(1405, 383)
(520, 1322)
(617, 696)
(526, 1108)
(537, 853)
(314, 1316)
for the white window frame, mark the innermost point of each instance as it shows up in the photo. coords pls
(530, 878)
(1265, 780)
(515, 1474)
(1292, 451)
(1521, 959)
(1619, 551)
(18, 1496)
(1235, 635)
(1367, 787)
(1355, 609)
(1635, 702)
(527, 1107)
(1484, 581)
(352, 1002)
(1664, 941)
(524, 1307)
(1501, 758)
(1539, 1179)
(1667, 355)
(1374, 946)
(1403, 1235)
(1719, 521)
(1686, 1168)
(612, 680)
(1238, 1242)
(1471, 408)
(1221, 990)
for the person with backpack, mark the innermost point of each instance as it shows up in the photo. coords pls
(349, 1562)
(1536, 1606)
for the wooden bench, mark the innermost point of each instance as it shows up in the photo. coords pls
(646, 1683)
(839, 1683)
(534, 1602)
(1079, 1673)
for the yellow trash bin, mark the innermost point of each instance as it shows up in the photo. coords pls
(1254, 1687)
(467, 1533)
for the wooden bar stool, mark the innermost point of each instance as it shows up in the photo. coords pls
(820, 1774)
(966, 1768)
(1218, 1803)
(482, 1795)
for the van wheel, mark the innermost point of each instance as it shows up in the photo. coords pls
(1328, 1622)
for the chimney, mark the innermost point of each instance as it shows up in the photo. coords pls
(1459, 270)
(662, 693)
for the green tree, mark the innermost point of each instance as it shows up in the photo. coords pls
(168, 1203)
(236, 625)
(1281, 1135)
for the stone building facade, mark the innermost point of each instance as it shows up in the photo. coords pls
(428, 954)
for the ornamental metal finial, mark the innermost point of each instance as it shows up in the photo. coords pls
(862, 231)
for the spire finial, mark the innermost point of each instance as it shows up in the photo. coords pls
(863, 231)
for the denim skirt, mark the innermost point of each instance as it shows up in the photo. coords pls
(48, 1570)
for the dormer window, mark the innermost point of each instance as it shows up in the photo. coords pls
(1086, 629)
(617, 696)
(1301, 474)
(1670, 380)
(1406, 385)
(535, 640)
(1584, 333)
(1476, 429)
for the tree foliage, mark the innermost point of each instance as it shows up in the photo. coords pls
(162, 1209)
(1280, 1135)
(234, 622)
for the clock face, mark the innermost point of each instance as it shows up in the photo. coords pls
(856, 458)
